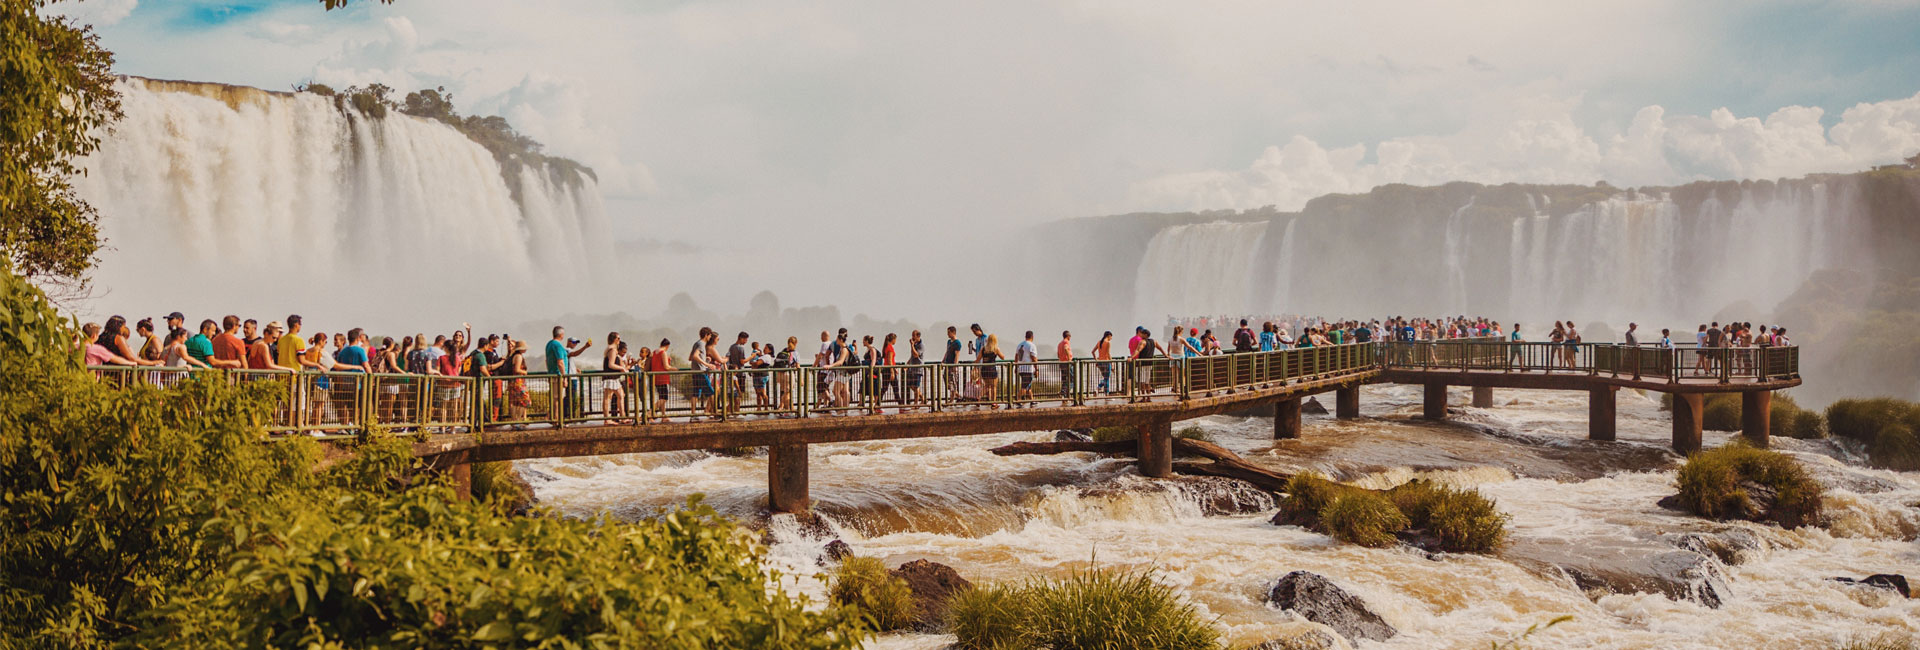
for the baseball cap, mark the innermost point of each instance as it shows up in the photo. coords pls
(177, 315)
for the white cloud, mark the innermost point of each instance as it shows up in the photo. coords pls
(99, 13)
(1656, 149)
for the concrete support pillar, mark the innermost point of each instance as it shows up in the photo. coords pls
(787, 478)
(1756, 417)
(462, 475)
(1286, 419)
(1346, 403)
(1686, 422)
(1435, 405)
(1600, 413)
(1483, 397)
(1156, 448)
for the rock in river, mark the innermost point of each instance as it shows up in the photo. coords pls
(1319, 600)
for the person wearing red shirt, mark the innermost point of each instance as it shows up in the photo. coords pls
(228, 350)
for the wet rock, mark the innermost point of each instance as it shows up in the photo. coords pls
(1310, 640)
(1671, 502)
(1225, 496)
(806, 526)
(1312, 407)
(836, 551)
(1890, 581)
(932, 584)
(1069, 435)
(1728, 546)
(1679, 575)
(1317, 599)
(536, 475)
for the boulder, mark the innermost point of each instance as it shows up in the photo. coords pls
(1309, 640)
(932, 584)
(1626, 566)
(1890, 581)
(1317, 599)
(1728, 546)
(1312, 407)
(1069, 435)
(836, 551)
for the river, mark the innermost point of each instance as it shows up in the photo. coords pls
(1573, 503)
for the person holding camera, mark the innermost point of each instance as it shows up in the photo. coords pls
(560, 353)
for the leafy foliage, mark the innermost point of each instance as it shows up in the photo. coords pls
(865, 585)
(1115, 434)
(1089, 609)
(58, 96)
(1888, 427)
(164, 516)
(1363, 518)
(1463, 520)
(1717, 483)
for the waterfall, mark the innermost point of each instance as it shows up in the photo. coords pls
(1283, 280)
(220, 198)
(1456, 243)
(1203, 268)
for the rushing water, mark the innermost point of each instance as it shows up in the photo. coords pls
(1573, 502)
(217, 197)
(1223, 250)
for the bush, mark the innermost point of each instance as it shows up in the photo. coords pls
(1715, 484)
(1720, 412)
(164, 517)
(865, 584)
(497, 483)
(1115, 434)
(1724, 411)
(1363, 518)
(1864, 419)
(1462, 520)
(1895, 448)
(1194, 433)
(1089, 609)
(1805, 424)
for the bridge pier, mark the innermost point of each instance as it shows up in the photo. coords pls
(1346, 403)
(1686, 422)
(1600, 413)
(1156, 447)
(462, 475)
(1756, 417)
(1286, 419)
(1434, 407)
(787, 478)
(1483, 397)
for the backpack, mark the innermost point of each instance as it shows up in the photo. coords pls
(1243, 339)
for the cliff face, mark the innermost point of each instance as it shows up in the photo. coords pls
(1663, 257)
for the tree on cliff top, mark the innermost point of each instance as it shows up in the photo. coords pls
(56, 93)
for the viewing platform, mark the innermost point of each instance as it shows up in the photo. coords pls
(455, 421)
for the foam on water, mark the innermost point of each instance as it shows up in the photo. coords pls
(1013, 518)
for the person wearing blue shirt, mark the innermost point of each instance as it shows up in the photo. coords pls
(353, 357)
(560, 354)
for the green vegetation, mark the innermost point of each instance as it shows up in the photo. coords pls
(154, 517)
(1463, 520)
(1882, 642)
(1193, 433)
(1459, 521)
(1890, 428)
(58, 98)
(865, 584)
(1115, 434)
(1519, 642)
(1722, 484)
(497, 483)
(1096, 608)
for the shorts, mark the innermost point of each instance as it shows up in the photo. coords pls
(660, 392)
(612, 384)
(1026, 380)
(702, 387)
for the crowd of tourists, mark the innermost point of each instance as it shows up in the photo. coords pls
(846, 373)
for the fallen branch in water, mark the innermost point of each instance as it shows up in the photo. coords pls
(1225, 463)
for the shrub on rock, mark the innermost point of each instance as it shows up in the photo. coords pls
(1088, 609)
(864, 584)
(1741, 482)
(1462, 520)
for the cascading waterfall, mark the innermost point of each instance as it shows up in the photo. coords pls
(1456, 242)
(269, 200)
(1283, 278)
(1202, 268)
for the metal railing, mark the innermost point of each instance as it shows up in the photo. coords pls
(343, 404)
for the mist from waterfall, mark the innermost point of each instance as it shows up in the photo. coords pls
(218, 198)
(1202, 268)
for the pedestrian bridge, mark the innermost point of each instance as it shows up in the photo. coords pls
(456, 421)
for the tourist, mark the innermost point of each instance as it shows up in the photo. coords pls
(260, 351)
(174, 351)
(1666, 339)
(614, 367)
(990, 372)
(762, 360)
(786, 363)
(1063, 352)
(291, 349)
(96, 354)
(1244, 340)
(737, 355)
(176, 321)
(1572, 346)
(353, 356)
(515, 370)
(113, 336)
(1143, 367)
(1103, 356)
(150, 346)
(228, 350)
(979, 345)
(889, 375)
(868, 377)
(320, 390)
(916, 372)
(1024, 356)
(560, 353)
(659, 366)
(956, 377)
(1194, 346)
(1269, 337)
(249, 332)
(200, 346)
(1632, 330)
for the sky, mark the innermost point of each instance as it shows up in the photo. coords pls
(740, 124)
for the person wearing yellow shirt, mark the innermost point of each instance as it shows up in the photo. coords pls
(290, 351)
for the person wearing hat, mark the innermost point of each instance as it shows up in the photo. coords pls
(260, 352)
(176, 320)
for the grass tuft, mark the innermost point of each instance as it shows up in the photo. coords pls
(1363, 518)
(1194, 433)
(864, 584)
(1463, 520)
(1115, 434)
(1089, 609)
(1715, 483)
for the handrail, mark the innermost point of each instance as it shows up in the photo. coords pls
(345, 404)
